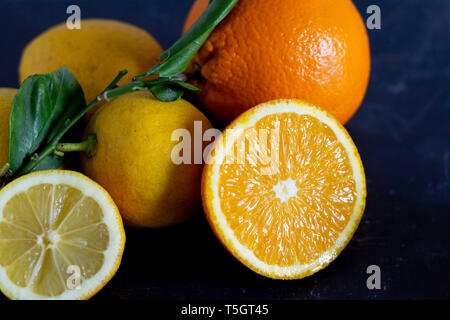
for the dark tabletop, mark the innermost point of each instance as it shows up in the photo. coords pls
(402, 131)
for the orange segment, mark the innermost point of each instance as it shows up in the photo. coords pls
(286, 192)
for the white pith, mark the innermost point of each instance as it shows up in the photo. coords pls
(285, 189)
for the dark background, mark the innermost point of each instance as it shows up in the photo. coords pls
(402, 131)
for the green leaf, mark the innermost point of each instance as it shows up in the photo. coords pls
(216, 11)
(177, 58)
(167, 93)
(41, 107)
(179, 61)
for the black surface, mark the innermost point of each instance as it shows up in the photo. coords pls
(402, 131)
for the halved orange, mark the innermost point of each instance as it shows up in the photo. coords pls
(284, 189)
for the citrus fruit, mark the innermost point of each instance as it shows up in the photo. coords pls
(94, 54)
(6, 99)
(289, 211)
(314, 50)
(134, 163)
(52, 222)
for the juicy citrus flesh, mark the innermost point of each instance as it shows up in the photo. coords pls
(294, 219)
(50, 221)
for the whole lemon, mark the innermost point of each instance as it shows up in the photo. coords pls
(6, 99)
(95, 53)
(133, 161)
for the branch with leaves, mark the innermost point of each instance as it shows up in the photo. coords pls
(47, 106)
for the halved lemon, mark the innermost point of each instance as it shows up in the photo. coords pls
(284, 189)
(61, 237)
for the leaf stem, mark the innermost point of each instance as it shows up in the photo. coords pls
(93, 103)
(111, 91)
(4, 169)
(35, 160)
(88, 146)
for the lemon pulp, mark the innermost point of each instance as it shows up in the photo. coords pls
(50, 232)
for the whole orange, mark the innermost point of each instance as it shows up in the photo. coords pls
(314, 50)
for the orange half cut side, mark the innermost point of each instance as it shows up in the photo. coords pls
(284, 189)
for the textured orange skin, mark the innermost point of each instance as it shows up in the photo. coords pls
(94, 54)
(314, 50)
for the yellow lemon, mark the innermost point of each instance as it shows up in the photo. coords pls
(134, 161)
(61, 236)
(6, 99)
(95, 53)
